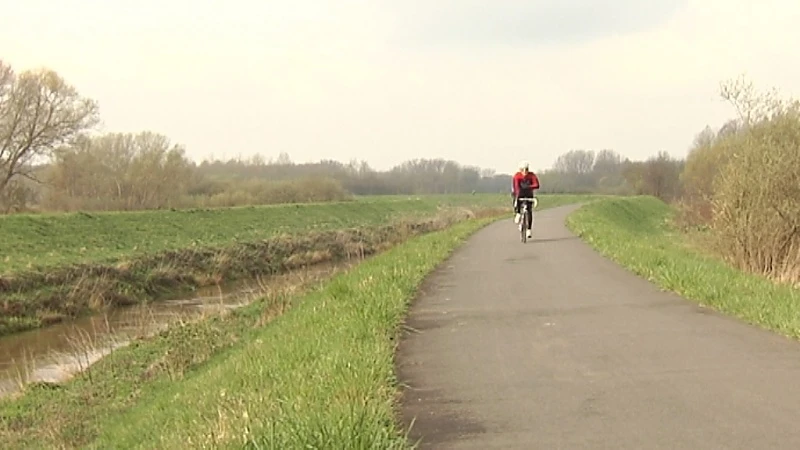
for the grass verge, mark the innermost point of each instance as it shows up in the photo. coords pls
(35, 298)
(319, 376)
(41, 298)
(69, 414)
(36, 242)
(637, 233)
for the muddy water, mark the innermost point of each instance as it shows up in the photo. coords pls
(57, 352)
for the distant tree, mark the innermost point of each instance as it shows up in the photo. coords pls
(607, 162)
(283, 159)
(575, 161)
(658, 176)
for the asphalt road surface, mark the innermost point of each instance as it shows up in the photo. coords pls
(547, 345)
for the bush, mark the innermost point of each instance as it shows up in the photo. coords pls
(749, 180)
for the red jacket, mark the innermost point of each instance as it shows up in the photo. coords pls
(531, 178)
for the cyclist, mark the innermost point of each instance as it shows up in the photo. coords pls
(524, 183)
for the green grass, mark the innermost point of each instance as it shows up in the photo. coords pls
(85, 263)
(319, 376)
(40, 241)
(636, 233)
(38, 299)
(47, 240)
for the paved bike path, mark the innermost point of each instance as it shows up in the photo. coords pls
(547, 345)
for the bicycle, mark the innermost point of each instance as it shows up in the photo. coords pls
(523, 228)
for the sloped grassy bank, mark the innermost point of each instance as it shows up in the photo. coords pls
(102, 278)
(636, 233)
(319, 376)
(37, 242)
(35, 299)
(311, 368)
(86, 263)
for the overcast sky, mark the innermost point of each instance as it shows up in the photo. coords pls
(484, 82)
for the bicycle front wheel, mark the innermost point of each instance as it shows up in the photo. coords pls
(523, 229)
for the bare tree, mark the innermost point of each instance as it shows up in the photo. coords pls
(575, 162)
(704, 138)
(39, 112)
(6, 85)
(661, 176)
(284, 159)
(607, 162)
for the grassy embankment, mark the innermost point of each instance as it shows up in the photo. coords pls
(636, 233)
(65, 265)
(60, 265)
(319, 376)
(43, 241)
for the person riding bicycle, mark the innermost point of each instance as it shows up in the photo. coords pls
(524, 183)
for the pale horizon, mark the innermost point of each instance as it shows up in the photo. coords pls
(479, 82)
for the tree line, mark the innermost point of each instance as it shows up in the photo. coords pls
(740, 182)
(52, 159)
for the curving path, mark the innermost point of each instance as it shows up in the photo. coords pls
(547, 345)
